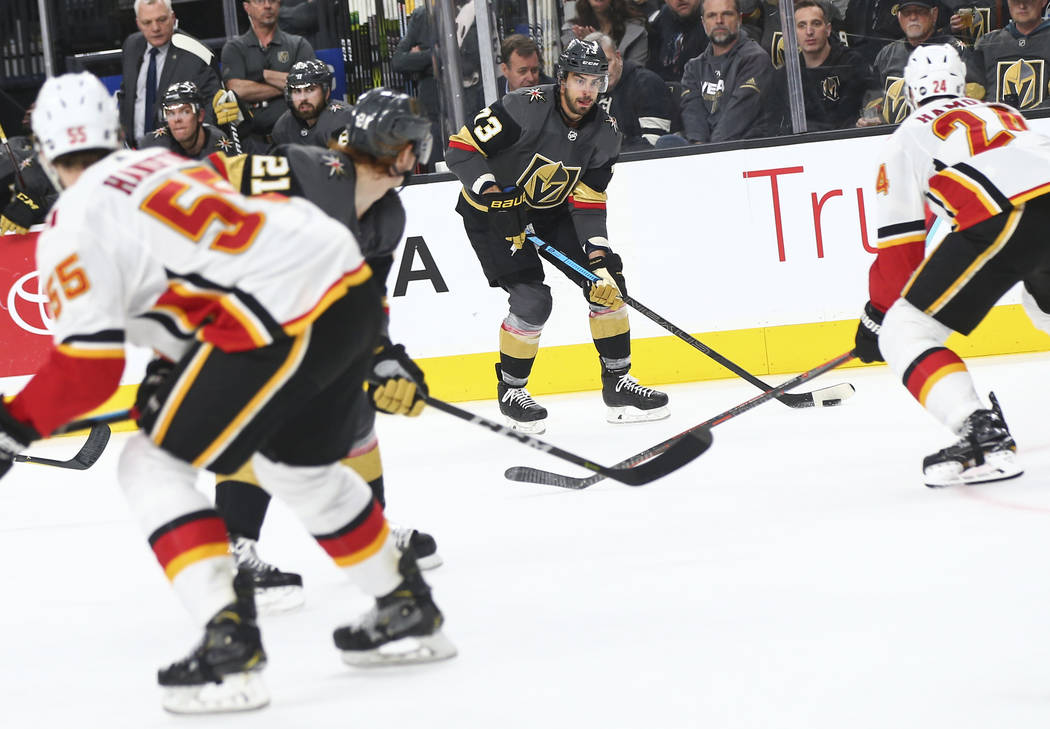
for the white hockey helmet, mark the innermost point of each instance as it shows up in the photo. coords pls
(933, 71)
(74, 112)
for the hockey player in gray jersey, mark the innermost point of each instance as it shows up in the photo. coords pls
(312, 116)
(352, 182)
(182, 129)
(544, 156)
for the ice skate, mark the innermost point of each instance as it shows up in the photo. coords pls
(629, 402)
(223, 673)
(984, 454)
(275, 591)
(403, 627)
(423, 546)
(521, 412)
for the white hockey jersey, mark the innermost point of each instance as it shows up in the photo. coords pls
(963, 160)
(147, 238)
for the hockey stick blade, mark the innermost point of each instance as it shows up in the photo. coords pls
(818, 398)
(85, 458)
(528, 474)
(669, 459)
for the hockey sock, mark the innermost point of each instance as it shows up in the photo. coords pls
(242, 502)
(939, 380)
(519, 343)
(365, 460)
(337, 507)
(611, 332)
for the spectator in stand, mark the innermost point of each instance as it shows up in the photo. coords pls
(619, 19)
(765, 27)
(637, 99)
(870, 26)
(255, 66)
(521, 65)
(312, 115)
(834, 78)
(1016, 59)
(971, 20)
(184, 131)
(723, 87)
(153, 59)
(676, 36)
(887, 102)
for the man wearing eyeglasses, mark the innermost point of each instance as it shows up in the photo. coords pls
(1016, 59)
(255, 66)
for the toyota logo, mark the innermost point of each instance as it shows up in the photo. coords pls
(19, 291)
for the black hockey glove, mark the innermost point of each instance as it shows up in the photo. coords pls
(146, 405)
(396, 384)
(607, 291)
(15, 437)
(507, 215)
(866, 345)
(22, 212)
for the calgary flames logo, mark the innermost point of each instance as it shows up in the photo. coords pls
(1020, 82)
(547, 183)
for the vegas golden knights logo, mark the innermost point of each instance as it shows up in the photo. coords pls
(1020, 83)
(830, 87)
(895, 101)
(777, 49)
(547, 183)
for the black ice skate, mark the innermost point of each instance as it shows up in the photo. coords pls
(521, 412)
(275, 591)
(223, 673)
(985, 453)
(403, 627)
(423, 546)
(629, 402)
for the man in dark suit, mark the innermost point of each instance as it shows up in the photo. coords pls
(157, 57)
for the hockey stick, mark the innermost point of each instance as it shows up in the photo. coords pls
(673, 456)
(85, 457)
(526, 474)
(824, 397)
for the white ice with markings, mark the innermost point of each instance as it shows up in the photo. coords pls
(798, 575)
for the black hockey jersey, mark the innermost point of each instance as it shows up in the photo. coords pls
(523, 140)
(290, 129)
(1015, 66)
(833, 92)
(641, 104)
(673, 42)
(214, 141)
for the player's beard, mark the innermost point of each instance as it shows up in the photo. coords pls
(573, 106)
(312, 112)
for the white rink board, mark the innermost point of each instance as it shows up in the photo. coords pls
(699, 242)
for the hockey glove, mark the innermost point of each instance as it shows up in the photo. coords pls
(22, 212)
(866, 345)
(15, 437)
(396, 384)
(507, 215)
(608, 289)
(224, 104)
(157, 373)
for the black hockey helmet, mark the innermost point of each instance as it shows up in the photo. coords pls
(179, 93)
(384, 121)
(587, 57)
(308, 73)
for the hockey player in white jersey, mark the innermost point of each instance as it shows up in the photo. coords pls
(269, 309)
(978, 167)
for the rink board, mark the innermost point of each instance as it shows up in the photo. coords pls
(762, 254)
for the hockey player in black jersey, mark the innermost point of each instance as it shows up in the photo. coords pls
(544, 156)
(312, 116)
(352, 182)
(182, 128)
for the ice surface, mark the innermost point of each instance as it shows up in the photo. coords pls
(797, 575)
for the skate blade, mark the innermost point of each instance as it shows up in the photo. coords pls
(534, 427)
(997, 467)
(430, 561)
(279, 600)
(406, 651)
(631, 414)
(237, 692)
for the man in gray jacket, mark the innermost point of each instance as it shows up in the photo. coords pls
(723, 86)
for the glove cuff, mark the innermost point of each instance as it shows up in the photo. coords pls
(24, 433)
(872, 318)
